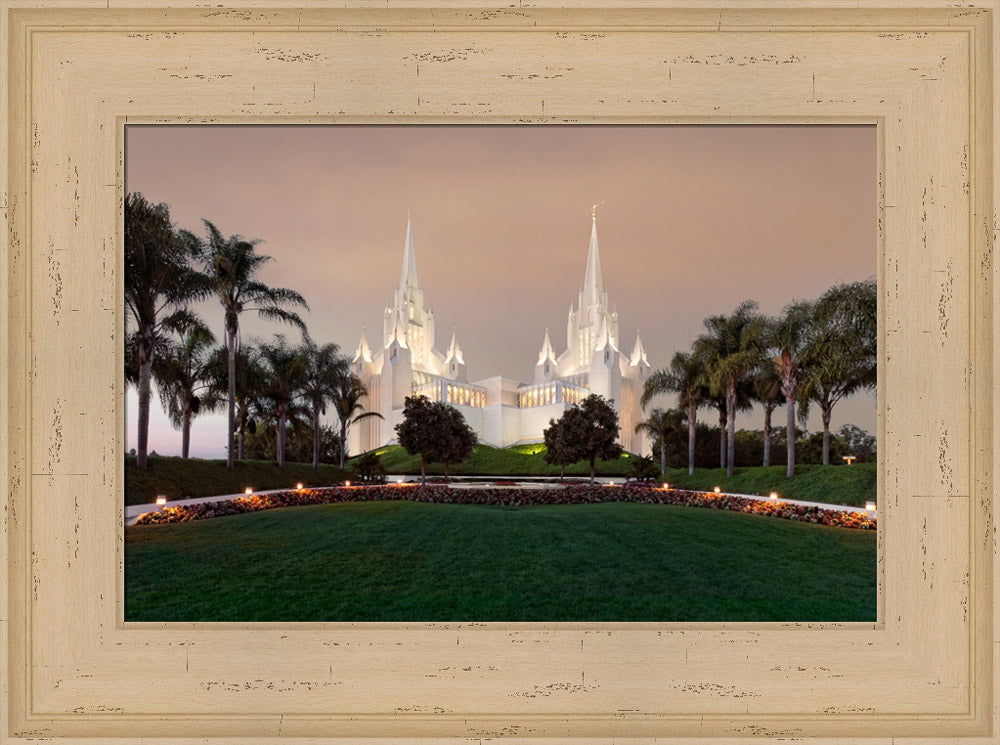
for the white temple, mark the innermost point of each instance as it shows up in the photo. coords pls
(501, 410)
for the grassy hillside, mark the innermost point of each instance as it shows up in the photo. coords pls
(404, 561)
(521, 460)
(195, 477)
(853, 485)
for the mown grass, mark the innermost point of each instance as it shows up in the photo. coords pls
(195, 477)
(852, 485)
(520, 460)
(404, 561)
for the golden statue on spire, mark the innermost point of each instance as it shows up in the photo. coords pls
(593, 212)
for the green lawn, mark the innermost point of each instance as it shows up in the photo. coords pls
(520, 460)
(853, 485)
(196, 477)
(403, 561)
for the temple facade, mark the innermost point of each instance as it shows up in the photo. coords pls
(501, 410)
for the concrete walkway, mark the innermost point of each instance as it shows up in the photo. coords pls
(133, 512)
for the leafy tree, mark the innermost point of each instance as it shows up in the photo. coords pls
(558, 451)
(285, 375)
(324, 368)
(686, 378)
(658, 425)
(183, 379)
(262, 443)
(369, 469)
(858, 443)
(591, 429)
(160, 281)
(435, 431)
(731, 350)
(232, 265)
(789, 336)
(347, 394)
(840, 354)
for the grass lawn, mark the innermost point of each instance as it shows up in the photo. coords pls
(853, 485)
(520, 460)
(197, 477)
(404, 561)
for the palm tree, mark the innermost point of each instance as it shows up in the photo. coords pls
(232, 265)
(284, 379)
(840, 353)
(685, 377)
(658, 425)
(250, 376)
(159, 283)
(184, 381)
(766, 388)
(324, 367)
(348, 393)
(730, 350)
(789, 335)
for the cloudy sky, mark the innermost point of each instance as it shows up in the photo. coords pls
(692, 221)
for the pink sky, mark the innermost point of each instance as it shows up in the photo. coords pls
(694, 220)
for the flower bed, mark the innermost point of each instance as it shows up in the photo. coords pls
(570, 494)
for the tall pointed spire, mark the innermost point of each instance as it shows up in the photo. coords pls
(638, 352)
(592, 281)
(408, 277)
(454, 351)
(547, 352)
(364, 352)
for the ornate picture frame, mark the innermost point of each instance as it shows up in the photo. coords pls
(75, 73)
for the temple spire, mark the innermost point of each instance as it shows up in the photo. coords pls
(408, 277)
(547, 352)
(454, 351)
(364, 352)
(592, 281)
(638, 352)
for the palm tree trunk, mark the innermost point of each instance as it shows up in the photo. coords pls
(591, 470)
(315, 436)
(767, 434)
(827, 412)
(343, 439)
(423, 470)
(663, 456)
(790, 433)
(562, 471)
(186, 435)
(722, 439)
(281, 436)
(142, 438)
(242, 436)
(692, 417)
(231, 364)
(731, 428)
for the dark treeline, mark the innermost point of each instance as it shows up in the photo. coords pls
(274, 391)
(815, 353)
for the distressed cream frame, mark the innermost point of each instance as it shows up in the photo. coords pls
(76, 71)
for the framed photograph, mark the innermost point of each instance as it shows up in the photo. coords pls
(76, 74)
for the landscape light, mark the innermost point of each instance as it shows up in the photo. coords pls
(248, 491)
(399, 480)
(869, 506)
(665, 486)
(717, 490)
(611, 483)
(347, 483)
(299, 486)
(161, 499)
(774, 495)
(849, 459)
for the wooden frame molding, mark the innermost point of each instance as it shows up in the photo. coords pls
(77, 71)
